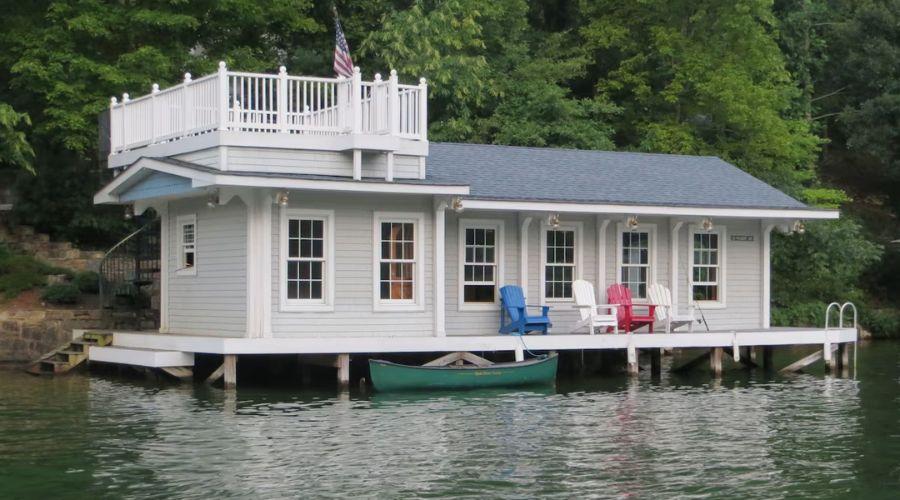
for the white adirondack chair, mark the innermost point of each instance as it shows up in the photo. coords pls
(665, 312)
(593, 315)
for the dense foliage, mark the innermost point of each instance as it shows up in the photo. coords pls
(801, 93)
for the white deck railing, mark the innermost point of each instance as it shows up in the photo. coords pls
(264, 103)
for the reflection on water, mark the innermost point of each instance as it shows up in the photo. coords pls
(746, 436)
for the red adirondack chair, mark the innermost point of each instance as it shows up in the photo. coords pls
(628, 320)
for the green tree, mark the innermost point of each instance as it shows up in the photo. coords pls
(15, 150)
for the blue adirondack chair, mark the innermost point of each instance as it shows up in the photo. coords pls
(514, 318)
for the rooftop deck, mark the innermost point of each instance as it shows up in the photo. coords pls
(258, 103)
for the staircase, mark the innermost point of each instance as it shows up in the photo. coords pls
(69, 356)
(130, 269)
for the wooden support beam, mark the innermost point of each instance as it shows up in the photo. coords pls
(230, 375)
(655, 363)
(179, 372)
(690, 365)
(715, 361)
(216, 374)
(745, 357)
(802, 363)
(343, 372)
(632, 366)
(767, 358)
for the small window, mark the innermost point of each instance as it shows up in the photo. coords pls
(307, 279)
(561, 261)
(707, 267)
(187, 245)
(398, 252)
(481, 253)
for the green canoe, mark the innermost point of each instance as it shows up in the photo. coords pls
(387, 376)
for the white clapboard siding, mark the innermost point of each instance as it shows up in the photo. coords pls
(206, 157)
(477, 322)
(334, 163)
(742, 277)
(353, 314)
(214, 301)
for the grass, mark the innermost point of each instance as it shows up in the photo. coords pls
(20, 273)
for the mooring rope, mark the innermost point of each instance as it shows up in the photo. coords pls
(527, 350)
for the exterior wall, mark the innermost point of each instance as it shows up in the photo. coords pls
(295, 161)
(208, 157)
(743, 281)
(214, 301)
(742, 286)
(354, 314)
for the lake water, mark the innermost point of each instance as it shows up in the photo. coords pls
(748, 435)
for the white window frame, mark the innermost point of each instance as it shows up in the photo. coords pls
(722, 233)
(326, 303)
(181, 269)
(576, 226)
(417, 303)
(653, 264)
(497, 226)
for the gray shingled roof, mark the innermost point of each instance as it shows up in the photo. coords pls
(569, 175)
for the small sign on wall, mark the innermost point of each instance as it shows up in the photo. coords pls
(741, 237)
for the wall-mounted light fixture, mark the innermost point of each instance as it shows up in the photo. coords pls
(553, 220)
(281, 198)
(457, 205)
(707, 224)
(799, 227)
(632, 222)
(212, 199)
(129, 212)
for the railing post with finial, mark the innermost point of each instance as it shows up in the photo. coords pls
(423, 109)
(282, 99)
(153, 113)
(223, 96)
(114, 140)
(187, 106)
(125, 100)
(394, 104)
(356, 101)
(376, 106)
(342, 103)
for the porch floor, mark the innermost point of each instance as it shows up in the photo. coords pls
(492, 342)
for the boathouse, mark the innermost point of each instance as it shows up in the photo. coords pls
(310, 215)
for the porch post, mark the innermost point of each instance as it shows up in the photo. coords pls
(602, 224)
(674, 230)
(259, 264)
(523, 254)
(439, 268)
(164, 267)
(766, 271)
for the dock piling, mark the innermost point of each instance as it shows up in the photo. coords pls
(230, 371)
(632, 363)
(343, 373)
(715, 361)
(656, 363)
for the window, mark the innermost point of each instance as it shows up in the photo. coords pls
(707, 266)
(307, 260)
(481, 271)
(561, 257)
(636, 258)
(187, 245)
(398, 255)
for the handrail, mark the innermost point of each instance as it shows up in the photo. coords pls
(119, 264)
(269, 103)
(828, 312)
(841, 316)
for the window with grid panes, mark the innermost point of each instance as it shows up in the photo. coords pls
(635, 262)
(706, 268)
(559, 264)
(397, 261)
(480, 265)
(306, 259)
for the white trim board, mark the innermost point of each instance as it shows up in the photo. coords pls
(595, 208)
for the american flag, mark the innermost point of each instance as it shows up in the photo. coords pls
(343, 65)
